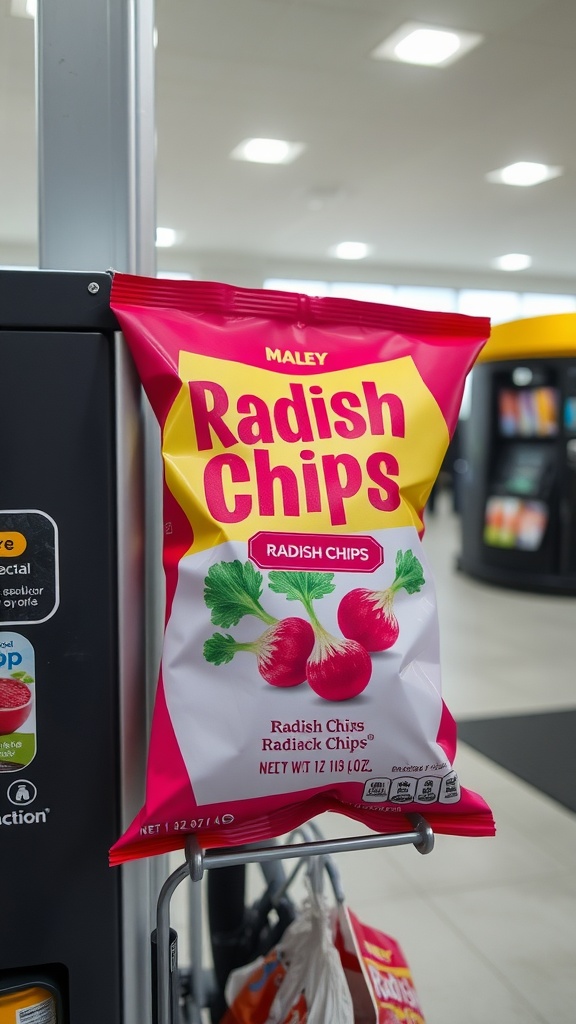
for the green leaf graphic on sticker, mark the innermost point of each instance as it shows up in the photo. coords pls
(22, 676)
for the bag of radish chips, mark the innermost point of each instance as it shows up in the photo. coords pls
(300, 669)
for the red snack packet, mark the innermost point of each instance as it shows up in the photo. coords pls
(377, 973)
(300, 670)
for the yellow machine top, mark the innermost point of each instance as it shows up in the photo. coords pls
(540, 337)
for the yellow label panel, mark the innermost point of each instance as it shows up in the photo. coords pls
(347, 451)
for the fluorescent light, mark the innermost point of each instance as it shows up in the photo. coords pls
(165, 238)
(267, 151)
(513, 261)
(350, 250)
(524, 173)
(425, 46)
(417, 43)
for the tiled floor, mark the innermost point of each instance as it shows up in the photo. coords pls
(488, 925)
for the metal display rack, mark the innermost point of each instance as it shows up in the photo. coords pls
(198, 861)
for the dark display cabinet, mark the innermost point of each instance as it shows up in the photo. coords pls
(70, 749)
(519, 448)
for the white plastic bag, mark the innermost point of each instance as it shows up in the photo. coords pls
(302, 978)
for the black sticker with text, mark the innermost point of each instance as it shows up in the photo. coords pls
(29, 587)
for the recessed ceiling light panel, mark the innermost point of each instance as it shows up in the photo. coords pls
(350, 250)
(524, 173)
(513, 261)
(166, 238)
(267, 151)
(417, 43)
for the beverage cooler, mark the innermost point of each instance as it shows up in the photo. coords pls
(74, 944)
(519, 451)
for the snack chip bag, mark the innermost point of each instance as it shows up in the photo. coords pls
(377, 972)
(300, 668)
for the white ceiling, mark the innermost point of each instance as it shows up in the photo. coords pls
(396, 155)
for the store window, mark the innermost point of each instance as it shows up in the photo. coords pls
(443, 300)
(282, 284)
(500, 306)
(534, 304)
(364, 292)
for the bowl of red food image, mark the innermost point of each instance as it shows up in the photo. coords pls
(15, 705)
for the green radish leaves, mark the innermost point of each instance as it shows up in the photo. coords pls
(220, 649)
(233, 590)
(301, 586)
(409, 573)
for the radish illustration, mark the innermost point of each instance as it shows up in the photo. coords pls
(337, 669)
(368, 617)
(281, 651)
(233, 590)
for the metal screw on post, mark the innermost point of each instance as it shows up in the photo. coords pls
(93, 287)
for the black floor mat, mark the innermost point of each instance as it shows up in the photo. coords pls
(539, 748)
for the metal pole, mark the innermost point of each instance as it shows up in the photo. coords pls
(97, 210)
(96, 145)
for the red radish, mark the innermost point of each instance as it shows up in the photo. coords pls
(281, 651)
(337, 669)
(367, 616)
(15, 704)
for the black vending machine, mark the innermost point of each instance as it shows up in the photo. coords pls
(75, 934)
(519, 440)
